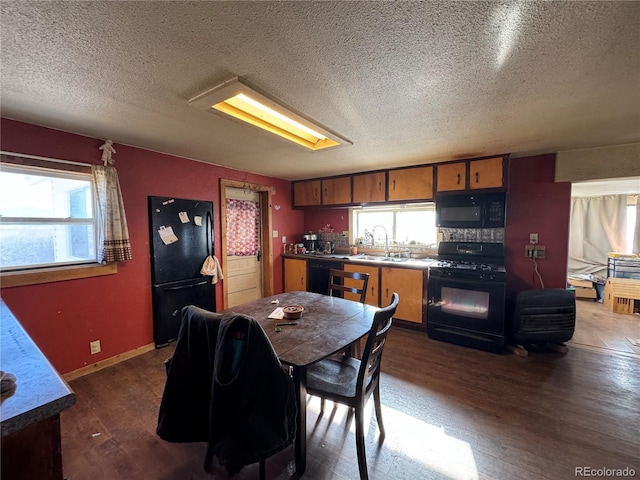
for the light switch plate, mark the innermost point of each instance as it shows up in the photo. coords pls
(275, 234)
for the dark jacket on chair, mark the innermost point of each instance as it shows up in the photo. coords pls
(225, 386)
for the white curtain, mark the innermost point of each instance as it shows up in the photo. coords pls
(598, 226)
(113, 235)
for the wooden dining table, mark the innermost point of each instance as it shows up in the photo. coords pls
(327, 326)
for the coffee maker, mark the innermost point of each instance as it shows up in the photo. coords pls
(310, 242)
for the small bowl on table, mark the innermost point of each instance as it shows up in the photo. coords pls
(292, 312)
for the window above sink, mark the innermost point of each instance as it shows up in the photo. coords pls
(409, 226)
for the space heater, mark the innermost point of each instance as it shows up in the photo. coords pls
(545, 315)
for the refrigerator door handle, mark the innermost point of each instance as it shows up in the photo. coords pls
(186, 286)
(259, 255)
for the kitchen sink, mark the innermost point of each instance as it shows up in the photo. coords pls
(373, 258)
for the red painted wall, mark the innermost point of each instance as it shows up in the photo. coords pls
(536, 204)
(338, 218)
(63, 317)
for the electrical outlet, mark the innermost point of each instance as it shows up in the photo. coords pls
(534, 251)
(284, 239)
(533, 238)
(275, 234)
(95, 347)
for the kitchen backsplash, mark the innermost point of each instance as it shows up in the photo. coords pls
(338, 239)
(488, 235)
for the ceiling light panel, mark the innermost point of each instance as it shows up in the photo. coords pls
(240, 100)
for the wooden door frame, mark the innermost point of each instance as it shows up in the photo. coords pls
(266, 240)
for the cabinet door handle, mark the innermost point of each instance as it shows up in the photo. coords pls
(387, 292)
(477, 176)
(459, 178)
(379, 186)
(325, 192)
(394, 185)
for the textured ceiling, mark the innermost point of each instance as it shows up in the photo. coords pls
(406, 82)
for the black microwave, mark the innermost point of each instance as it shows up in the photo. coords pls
(482, 210)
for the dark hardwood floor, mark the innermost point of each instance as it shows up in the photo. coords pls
(450, 413)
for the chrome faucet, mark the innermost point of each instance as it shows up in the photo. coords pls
(386, 239)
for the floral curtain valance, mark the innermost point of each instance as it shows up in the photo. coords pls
(243, 217)
(113, 235)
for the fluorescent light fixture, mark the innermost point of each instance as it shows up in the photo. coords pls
(240, 100)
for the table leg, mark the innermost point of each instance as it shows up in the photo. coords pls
(300, 382)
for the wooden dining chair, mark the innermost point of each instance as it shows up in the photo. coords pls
(351, 382)
(357, 286)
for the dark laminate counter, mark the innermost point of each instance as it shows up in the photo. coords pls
(30, 413)
(40, 392)
(364, 259)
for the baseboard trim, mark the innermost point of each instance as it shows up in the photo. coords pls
(94, 367)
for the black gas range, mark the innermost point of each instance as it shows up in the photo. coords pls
(467, 290)
(480, 271)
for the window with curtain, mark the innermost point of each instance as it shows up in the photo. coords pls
(243, 220)
(52, 216)
(47, 218)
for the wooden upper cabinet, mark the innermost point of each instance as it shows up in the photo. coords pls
(487, 173)
(370, 187)
(451, 176)
(336, 191)
(306, 193)
(415, 183)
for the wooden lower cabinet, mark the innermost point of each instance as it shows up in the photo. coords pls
(373, 287)
(409, 286)
(295, 274)
(33, 453)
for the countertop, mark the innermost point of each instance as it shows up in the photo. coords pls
(40, 392)
(413, 263)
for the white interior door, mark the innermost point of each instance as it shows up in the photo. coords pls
(244, 249)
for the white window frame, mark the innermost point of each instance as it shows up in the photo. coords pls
(64, 221)
(32, 275)
(354, 211)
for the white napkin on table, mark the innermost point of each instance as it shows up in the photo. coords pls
(277, 314)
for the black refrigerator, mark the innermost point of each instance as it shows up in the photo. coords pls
(181, 238)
